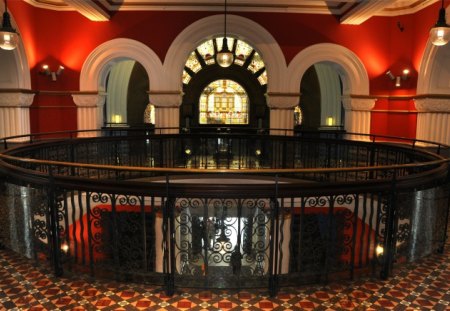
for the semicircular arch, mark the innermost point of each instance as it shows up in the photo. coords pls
(350, 68)
(99, 62)
(239, 27)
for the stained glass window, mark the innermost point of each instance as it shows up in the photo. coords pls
(256, 63)
(186, 77)
(193, 63)
(223, 102)
(242, 53)
(206, 50)
(243, 50)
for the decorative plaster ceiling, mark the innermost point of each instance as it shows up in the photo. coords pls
(352, 12)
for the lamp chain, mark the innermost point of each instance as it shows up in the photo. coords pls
(225, 23)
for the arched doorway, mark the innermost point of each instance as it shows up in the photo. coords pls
(127, 85)
(321, 98)
(226, 89)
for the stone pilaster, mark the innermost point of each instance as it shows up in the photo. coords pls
(282, 107)
(357, 115)
(167, 110)
(89, 112)
(433, 119)
(15, 114)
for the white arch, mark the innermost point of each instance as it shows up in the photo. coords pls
(98, 63)
(433, 117)
(212, 26)
(350, 68)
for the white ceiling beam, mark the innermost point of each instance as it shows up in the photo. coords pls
(89, 9)
(364, 10)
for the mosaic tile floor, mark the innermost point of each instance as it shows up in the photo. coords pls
(424, 285)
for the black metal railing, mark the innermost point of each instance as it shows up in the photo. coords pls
(227, 210)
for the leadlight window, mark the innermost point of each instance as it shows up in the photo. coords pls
(245, 55)
(223, 102)
(206, 50)
(193, 63)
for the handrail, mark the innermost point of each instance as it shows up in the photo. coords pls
(216, 171)
(71, 135)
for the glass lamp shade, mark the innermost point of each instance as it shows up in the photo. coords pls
(440, 35)
(8, 40)
(225, 57)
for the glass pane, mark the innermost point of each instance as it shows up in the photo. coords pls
(243, 50)
(206, 50)
(223, 102)
(193, 63)
(256, 63)
(186, 77)
(263, 78)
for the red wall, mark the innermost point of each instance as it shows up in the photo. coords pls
(68, 38)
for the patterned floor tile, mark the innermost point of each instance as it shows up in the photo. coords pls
(420, 286)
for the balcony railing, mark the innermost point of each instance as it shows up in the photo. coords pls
(224, 210)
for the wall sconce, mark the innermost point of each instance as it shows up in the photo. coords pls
(46, 71)
(398, 79)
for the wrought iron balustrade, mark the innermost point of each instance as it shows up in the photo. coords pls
(225, 210)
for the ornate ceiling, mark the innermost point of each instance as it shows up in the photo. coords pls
(348, 11)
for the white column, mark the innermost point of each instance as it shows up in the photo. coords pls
(357, 115)
(15, 114)
(167, 110)
(433, 119)
(282, 107)
(89, 113)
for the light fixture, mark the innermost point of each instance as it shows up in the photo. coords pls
(398, 79)
(225, 57)
(9, 38)
(440, 33)
(53, 74)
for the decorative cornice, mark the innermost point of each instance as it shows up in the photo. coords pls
(358, 104)
(16, 99)
(433, 105)
(89, 100)
(282, 100)
(165, 99)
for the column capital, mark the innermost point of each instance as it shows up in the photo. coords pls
(358, 103)
(165, 99)
(432, 104)
(282, 100)
(16, 99)
(89, 100)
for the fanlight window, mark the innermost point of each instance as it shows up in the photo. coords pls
(223, 102)
(244, 56)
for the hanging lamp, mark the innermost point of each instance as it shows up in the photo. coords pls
(225, 57)
(440, 33)
(9, 38)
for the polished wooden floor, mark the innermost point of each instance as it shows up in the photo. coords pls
(424, 285)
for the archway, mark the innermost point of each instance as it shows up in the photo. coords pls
(433, 103)
(352, 74)
(247, 75)
(95, 72)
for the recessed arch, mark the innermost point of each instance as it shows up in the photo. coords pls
(354, 76)
(238, 27)
(97, 65)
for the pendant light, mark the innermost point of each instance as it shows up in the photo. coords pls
(225, 57)
(9, 38)
(440, 33)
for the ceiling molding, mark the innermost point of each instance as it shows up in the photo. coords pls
(363, 11)
(89, 9)
(352, 12)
